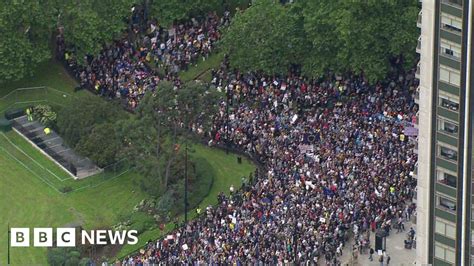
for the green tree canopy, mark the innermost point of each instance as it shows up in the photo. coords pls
(170, 11)
(89, 24)
(164, 120)
(25, 30)
(359, 35)
(102, 145)
(77, 120)
(64, 256)
(265, 37)
(336, 35)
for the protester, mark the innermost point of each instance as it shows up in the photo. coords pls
(337, 162)
(123, 70)
(356, 171)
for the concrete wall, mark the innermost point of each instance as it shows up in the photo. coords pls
(425, 125)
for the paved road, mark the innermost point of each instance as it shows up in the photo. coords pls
(395, 249)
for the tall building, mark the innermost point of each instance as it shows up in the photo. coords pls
(445, 205)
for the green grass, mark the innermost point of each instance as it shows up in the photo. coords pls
(15, 146)
(27, 201)
(50, 74)
(202, 68)
(29, 180)
(228, 172)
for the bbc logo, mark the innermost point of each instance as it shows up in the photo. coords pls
(43, 237)
(66, 237)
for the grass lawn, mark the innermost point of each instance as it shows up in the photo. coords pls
(50, 73)
(29, 181)
(228, 172)
(28, 201)
(202, 70)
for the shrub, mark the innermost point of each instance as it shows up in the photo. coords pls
(44, 114)
(77, 120)
(142, 222)
(101, 145)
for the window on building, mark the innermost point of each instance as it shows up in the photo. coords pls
(451, 23)
(449, 103)
(448, 153)
(450, 256)
(453, 2)
(448, 127)
(447, 177)
(450, 49)
(445, 228)
(446, 204)
(445, 253)
(449, 75)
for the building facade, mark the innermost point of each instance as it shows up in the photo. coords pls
(445, 205)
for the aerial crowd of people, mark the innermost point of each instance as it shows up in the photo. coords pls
(126, 69)
(337, 162)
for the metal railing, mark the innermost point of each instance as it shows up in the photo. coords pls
(23, 97)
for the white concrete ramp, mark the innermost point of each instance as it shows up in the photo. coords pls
(53, 146)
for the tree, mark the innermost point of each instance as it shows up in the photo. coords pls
(25, 27)
(77, 119)
(360, 36)
(197, 104)
(159, 161)
(322, 36)
(265, 37)
(90, 24)
(155, 150)
(171, 11)
(64, 256)
(167, 12)
(102, 145)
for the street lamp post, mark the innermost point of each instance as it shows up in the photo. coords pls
(186, 182)
(227, 122)
(8, 251)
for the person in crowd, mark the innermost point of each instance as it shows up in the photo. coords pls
(127, 68)
(357, 172)
(335, 157)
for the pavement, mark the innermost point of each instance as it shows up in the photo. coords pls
(395, 249)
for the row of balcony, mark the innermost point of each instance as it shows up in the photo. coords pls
(417, 93)
(452, 3)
